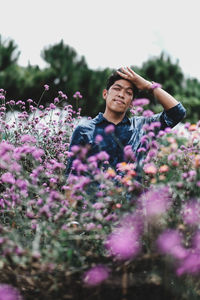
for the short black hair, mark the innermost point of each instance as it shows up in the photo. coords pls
(114, 77)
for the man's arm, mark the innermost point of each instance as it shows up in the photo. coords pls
(164, 98)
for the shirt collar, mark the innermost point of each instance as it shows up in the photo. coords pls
(100, 118)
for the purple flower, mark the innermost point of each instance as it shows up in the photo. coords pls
(98, 138)
(169, 242)
(103, 155)
(98, 205)
(56, 100)
(22, 184)
(37, 153)
(155, 201)
(75, 148)
(46, 87)
(142, 149)
(196, 240)
(96, 275)
(5, 147)
(52, 106)
(123, 243)
(26, 138)
(7, 292)
(109, 129)
(191, 264)
(191, 213)
(8, 178)
(77, 95)
(90, 226)
(148, 113)
(140, 102)
(128, 153)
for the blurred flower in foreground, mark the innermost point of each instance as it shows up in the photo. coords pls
(169, 242)
(123, 243)
(191, 264)
(156, 201)
(150, 169)
(7, 292)
(109, 129)
(96, 275)
(140, 102)
(191, 213)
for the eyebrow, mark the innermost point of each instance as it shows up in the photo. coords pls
(128, 88)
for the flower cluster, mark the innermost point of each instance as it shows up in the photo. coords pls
(98, 215)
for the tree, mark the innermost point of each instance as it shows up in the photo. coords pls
(66, 66)
(162, 69)
(8, 53)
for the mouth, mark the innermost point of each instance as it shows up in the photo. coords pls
(119, 101)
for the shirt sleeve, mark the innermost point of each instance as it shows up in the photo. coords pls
(170, 117)
(173, 116)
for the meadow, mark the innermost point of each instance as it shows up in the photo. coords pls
(99, 233)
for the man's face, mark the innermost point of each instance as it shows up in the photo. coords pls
(119, 96)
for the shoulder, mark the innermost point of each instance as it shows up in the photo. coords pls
(85, 124)
(137, 119)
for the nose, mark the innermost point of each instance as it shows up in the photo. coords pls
(121, 93)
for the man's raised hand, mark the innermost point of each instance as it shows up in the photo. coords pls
(128, 74)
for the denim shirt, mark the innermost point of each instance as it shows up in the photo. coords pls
(128, 132)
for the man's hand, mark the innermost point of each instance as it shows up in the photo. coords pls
(128, 74)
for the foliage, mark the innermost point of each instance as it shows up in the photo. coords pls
(100, 223)
(69, 72)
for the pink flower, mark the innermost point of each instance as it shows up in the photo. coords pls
(155, 201)
(103, 155)
(8, 178)
(77, 95)
(150, 168)
(191, 213)
(142, 149)
(123, 243)
(196, 240)
(169, 242)
(7, 292)
(52, 106)
(56, 100)
(75, 148)
(98, 138)
(96, 275)
(191, 264)
(148, 113)
(128, 153)
(22, 184)
(5, 147)
(37, 153)
(140, 102)
(109, 129)
(46, 87)
(26, 138)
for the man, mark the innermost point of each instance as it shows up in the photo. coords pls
(121, 89)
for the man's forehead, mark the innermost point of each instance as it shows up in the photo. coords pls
(124, 83)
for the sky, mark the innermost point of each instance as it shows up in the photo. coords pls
(108, 33)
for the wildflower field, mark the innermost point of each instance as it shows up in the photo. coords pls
(98, 234)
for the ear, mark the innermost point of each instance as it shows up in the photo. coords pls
(105, 93)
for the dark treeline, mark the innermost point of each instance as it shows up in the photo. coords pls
(68, 72)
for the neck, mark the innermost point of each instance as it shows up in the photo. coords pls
(113, 117)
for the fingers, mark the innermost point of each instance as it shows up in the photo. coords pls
(131, 71)
(126, 73)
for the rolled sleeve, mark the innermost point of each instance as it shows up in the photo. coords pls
(173, 116)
